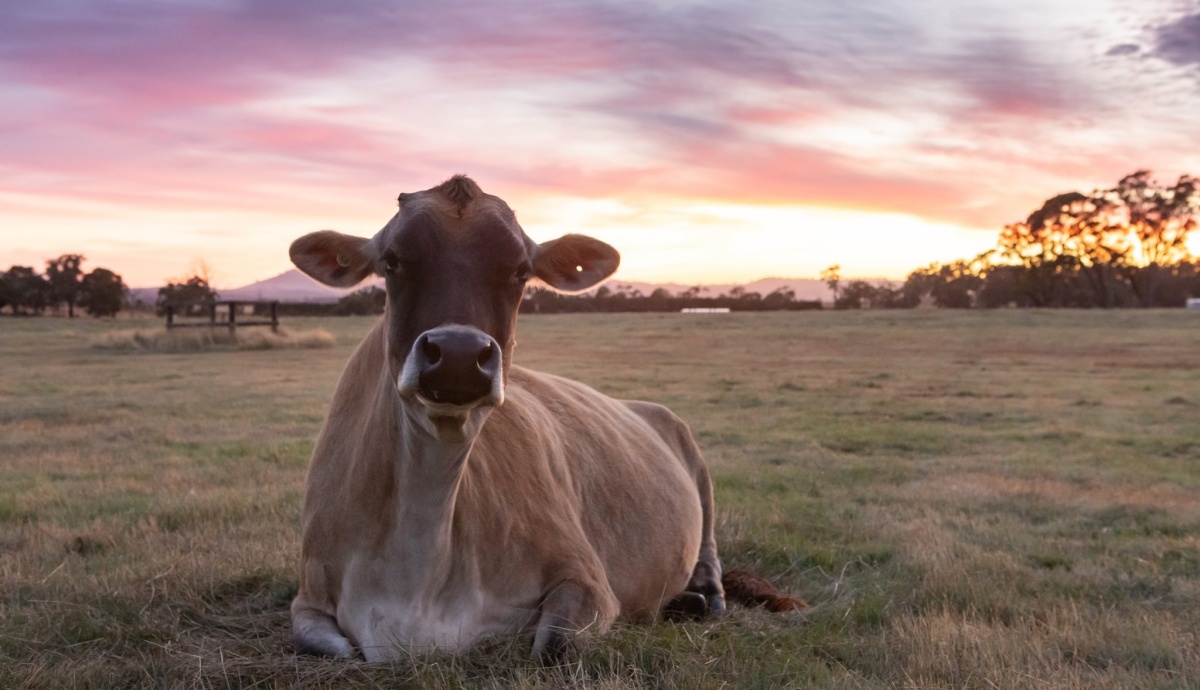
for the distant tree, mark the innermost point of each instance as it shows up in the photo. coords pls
(1157, 221)
(833, 277)
(5, 291)
(956, 285)
(194, 289)
(779, 298)
(102, 293)
(1181, 282)
(1108, 248)
(856, 294)
(370, 300)
(65, 276)
(887, 296)
(1043, 251)
(27, 291)
(1001, 288)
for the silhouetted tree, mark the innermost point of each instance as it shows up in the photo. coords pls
(859, 294)
(5, 291)
(102, 293)
(65, 276)
(1157, 221)
(832, 277)
(1107, 248)
(1001, 288)
(194, 289)
(1042, 251)
(779, 298)
(27, 291)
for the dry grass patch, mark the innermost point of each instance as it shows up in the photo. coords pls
(1086, 494)
(202, 339)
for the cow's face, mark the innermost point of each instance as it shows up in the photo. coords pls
(456, 264)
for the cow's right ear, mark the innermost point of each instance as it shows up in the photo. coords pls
(333, 258)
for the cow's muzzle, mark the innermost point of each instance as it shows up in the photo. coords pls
(454, 366)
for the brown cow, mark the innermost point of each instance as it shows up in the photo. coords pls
(452, 494)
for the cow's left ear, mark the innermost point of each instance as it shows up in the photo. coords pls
(574, 263)
(333, 258)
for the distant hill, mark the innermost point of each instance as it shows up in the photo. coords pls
(293, 286)
(290, 286)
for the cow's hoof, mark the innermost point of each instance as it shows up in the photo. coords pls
(686, 606)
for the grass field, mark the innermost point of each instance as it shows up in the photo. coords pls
(1006, 499)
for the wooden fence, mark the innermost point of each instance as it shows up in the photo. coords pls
(221, 314)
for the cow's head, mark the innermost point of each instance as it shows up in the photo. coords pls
(456, 264)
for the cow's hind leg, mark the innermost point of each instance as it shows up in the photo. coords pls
(567, 610)
(706, 575)
(316, 633)
(703, 597)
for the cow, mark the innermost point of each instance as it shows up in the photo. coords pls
(454, 495)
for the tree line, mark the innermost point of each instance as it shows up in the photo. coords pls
(99, 292)
(1119, 247)
(624, 298)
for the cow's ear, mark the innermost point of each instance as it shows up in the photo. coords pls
(574, 263)
(333, 258)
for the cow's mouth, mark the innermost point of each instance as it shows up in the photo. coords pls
(452, 397)
(447, 408)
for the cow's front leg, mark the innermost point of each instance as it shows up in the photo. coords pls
(316, 633)
(571, 608)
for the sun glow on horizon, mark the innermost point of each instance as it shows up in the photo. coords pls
(701, 242)
(661, 239)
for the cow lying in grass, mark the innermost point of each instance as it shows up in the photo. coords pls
(452, 494)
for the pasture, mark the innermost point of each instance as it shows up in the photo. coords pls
(1005, 499)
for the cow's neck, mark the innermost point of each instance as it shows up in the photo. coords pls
(428, 473)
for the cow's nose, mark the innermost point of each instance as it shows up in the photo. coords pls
(456, 366)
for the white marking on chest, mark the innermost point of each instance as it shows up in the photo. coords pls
(385, 618)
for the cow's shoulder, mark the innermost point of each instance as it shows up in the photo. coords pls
(557, 394)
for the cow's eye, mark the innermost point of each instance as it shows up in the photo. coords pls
(523, 273)
(391, 264)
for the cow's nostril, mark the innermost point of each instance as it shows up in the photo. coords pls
(433, 353)
(485, 355)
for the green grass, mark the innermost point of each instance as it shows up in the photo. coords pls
(1001, 499)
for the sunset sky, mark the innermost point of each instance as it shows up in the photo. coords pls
(708, 141)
